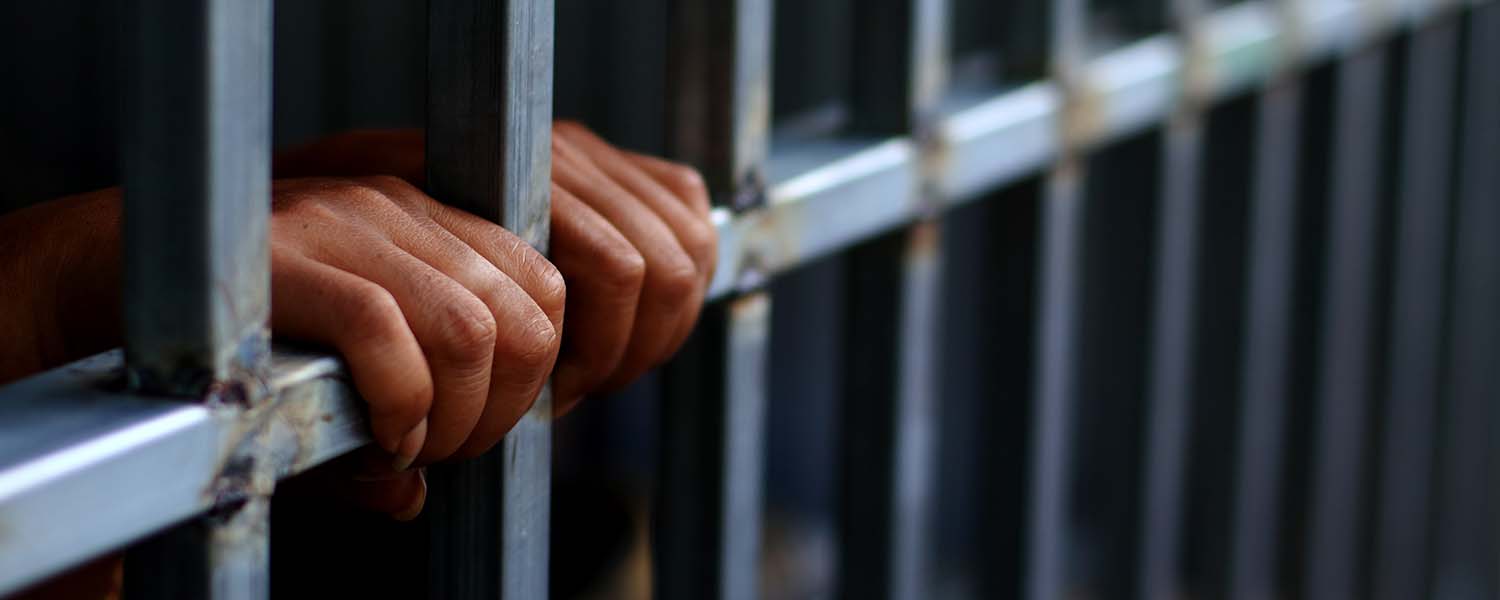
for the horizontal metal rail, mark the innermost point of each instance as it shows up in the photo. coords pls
(73, 439)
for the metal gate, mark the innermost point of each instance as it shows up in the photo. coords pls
(1131, 298)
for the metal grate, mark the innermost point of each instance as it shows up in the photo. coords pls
(1226, 302)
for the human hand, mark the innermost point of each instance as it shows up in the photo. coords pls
(449, 324)
(630, 234)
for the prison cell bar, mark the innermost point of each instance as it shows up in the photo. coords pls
(1263, 376)
(891, 332)
(1174, 317)
(982, 147)
(1463, 553)
(707, 525)
(489, 151)
(197, 270)
(1416, 324)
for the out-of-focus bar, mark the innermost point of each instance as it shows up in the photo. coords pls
(708, 508)
(1416, 321)
(1464, 543)
(1268, 319)
(1349, 313)
(889, 385)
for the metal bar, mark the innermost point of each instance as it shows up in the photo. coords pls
(1172, 360)
(1399, 565)
(1464, 537)
(720, 69)
(1268, 318)
(708, 517)
(1349, 311)
(1057, 351)
(1060, 298)
(196, 168)
(489, 124)
(901, 69)
(80, 451)
(196, 161)
(889, 421)
(998, 142)
(1174, 319)
(219, 556)
(889, 415)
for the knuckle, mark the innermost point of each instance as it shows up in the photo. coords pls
(624, 270)
(677, 278)
(700, 240)
(373, 310)
(552, 293)
(688, 181)
(468, 328)
(531, 347)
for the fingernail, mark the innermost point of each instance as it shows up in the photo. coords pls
(411, 444)
(415, 508)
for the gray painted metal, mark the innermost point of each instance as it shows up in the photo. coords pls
(196, 167)
(889, 419)
(1401, 542)
(720, 69)
(489, 151)
(1171, 376)
(1348, 316)
(1057, 357)
(708, 515)
(119, 467)
(1060, 303)
(218, 556)
(1005, 139)
(890, 386)
(196, 161)
(1464, 535)
(1171, 366)
(1263, 378)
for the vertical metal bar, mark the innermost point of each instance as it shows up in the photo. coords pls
(708, 519)
(1348, 318)
(889, 384)
(1268, 318)
(489, 127)
(196, 159)
(901, 68)
(221, 556)
(889, 415)
(720, 102)
(1416, 322)
(1059, 299)
(1172, 359)
(1464, 538)
(708, 513)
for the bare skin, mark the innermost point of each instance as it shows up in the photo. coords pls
(450, 324)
